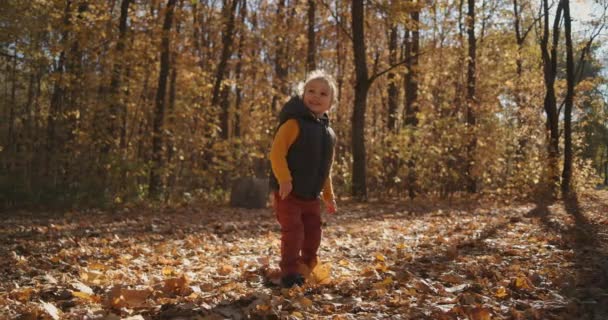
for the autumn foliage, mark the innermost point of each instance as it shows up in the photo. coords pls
(106, 102)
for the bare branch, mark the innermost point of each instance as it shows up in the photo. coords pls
(338, 22)
(398, 64)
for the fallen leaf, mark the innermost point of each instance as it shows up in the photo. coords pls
(321, 273)
(500, 292)
(480, 314)
(23, 294)
(384, 283)
(82, 287)
(225, 270)
(51, 310)
(177, 286)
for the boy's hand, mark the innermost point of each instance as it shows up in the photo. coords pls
(331, 206)
(285, 189)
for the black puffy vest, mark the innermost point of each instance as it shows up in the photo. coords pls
(309, 157)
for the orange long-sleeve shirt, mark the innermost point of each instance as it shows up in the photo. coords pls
(286, 135)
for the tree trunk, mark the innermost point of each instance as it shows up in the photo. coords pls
(280, 60)
(13, 103)
(392, 92)
(567, 170)
(471, 101)
(218, 91)
(310, 56)
(550, 72)
(56, 104)
(362, 85)
(239, 71)
(155, 183)
(412, 50)
(117, 107)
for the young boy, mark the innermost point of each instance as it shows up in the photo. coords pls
(301, 157)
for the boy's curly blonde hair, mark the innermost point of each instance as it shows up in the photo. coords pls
(319, 74)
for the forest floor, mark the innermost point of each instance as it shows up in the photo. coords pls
(423, 260)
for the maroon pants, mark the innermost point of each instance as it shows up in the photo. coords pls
(300, 222)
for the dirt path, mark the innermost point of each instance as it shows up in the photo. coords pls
(390, 260)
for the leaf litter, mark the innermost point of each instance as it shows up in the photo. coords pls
(378, 261)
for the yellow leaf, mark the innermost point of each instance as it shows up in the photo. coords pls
(304, 302)
(91, 276)
(522, 282)
(22, 295)
(225, 270)
(297, 315)
(168, 271)
(379, 256)
(321, 273)
(384, 283)
(501, 292)
(82, 295)
(381, 267)
(343, 263)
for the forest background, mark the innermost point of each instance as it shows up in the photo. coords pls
(107, 102)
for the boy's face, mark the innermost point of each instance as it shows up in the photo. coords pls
(317, 96)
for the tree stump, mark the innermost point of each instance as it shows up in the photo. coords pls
(249, 192)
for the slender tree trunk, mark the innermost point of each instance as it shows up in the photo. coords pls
(239, 71)
(156, 184)
(412, 50)
(13, 103)
(568, 153)
(606, 167)
(56, 104)
(117, 107)
(550, 71)
(310, 56)
(218, 90)
(392, 92)
(280, 60)
(471, 100)
(362, 85)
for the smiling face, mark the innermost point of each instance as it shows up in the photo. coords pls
(317, 96)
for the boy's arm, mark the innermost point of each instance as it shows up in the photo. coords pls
(286, 135)
(328, 189)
